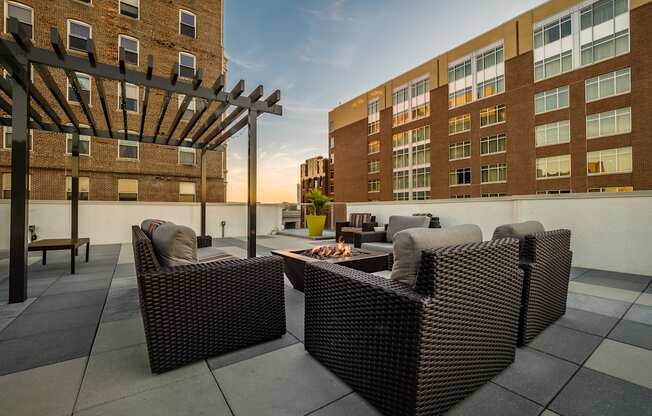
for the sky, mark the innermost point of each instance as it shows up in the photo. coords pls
(321, 53)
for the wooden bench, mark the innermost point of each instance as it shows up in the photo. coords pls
(55, 244)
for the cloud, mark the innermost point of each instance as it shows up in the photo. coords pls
(319, 51)
(244, 62)
(331, 13)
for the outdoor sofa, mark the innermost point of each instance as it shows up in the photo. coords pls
(357, 222)
(210, 307)
(418, 350)
(545, 257)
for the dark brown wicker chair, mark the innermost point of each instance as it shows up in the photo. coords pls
(418, 351)
(356, 222)
(201, 310)
(546, 260)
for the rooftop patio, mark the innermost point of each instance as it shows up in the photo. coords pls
(77, 346)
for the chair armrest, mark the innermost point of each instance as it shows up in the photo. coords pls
(369, 226)
(204, 241)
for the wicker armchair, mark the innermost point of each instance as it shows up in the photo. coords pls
(546, 260)
(197, 311)
(418, 351)
(356, 222)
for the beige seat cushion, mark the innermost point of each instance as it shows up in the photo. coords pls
(409, 244)
(210, 254)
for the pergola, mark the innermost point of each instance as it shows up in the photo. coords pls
(216, 126)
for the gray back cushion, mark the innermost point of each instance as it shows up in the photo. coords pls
(175, 245)
(409, 244)
(398, 223)
(149, 225)
(519, 230)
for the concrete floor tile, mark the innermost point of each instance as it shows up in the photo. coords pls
(602, 306)
(5, 322)
(577, 272)
(77, 286)
(49, 390)
(566, 343)
(120, 373)
(350, 405)
(633, 333)
(549, 412)
(591, 393)
(640, 313)
(251, 352)
(119, 334)
(294, 312)
(67, 301)
(603, 291)
(37, 323)
(284, 382)
(626, 281)
(491, 400)
(536, 375)
(195, 396)
(590, 322)
(645, 299)
(627, 362)
(12, 310)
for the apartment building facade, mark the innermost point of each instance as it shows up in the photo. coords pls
(313, 173)
(556, 100)
(183, 33)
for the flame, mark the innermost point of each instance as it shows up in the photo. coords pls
(337, 250)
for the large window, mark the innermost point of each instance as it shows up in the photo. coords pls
(131, 98)
(400, 106)
(373, 117)
(609, 161)
(84, 188)
(493, 144)
(460, 84)
(490, 80)
(78, 34)
(401, 180)
(127, 189)
(609, 123)
(373, 166)
(552, 133)
(604, 30)
(187, 192)
(421, 177)
(554, 167)
(551, 100)
(553, 31)
(421, 195)
(479, 76)
(613, 189)
(84, 144)
(401, 139)
(553, 65)
(459, 177)
(492, 115)
(187, 23)
(421, 154)
(460, 150)
(130, 8)
(85, 84)
(127, 150)
(553, 48)
(373, 185)
(6, 186)
(187, 65)
(420, 96)
(131, 47)
(7, 138)
(410, 157)
(24, 14)
(459, 124)
(608, 85)
(494, 173)
(373, 147)
(401, 158)
(411, 102)
(187, 156)
(605, 48)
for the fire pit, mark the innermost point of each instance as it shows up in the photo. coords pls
(339, 253)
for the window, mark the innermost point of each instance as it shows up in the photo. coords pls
(128, 150)
(420, 195)
(131, 47)
(609, 123)
(554, 65)
(489, 58)
(84, 144)
(494, 173)
(613, 189)
(373, 185)
(492, 115)
(551, 100)
(6, 186)
(608, 85)
(459, 124)
(420, 96)
(421, 177)
(130, 8)
(552, 133)
(8, 138)
(187, 192)
(127, 189)
(401, 158)
(490, 82)
(609, 161)
(604, 33)
(460, 84)
(373, 166)
(84, 186)
(554, 167)
(331, 142)
(400, 106)
(420, 134)
(187, 23)
(491, 87)
(605, 48)
(187, 65)
(85, 84)
(78, 34)
(401, 196)
(493, 195)
(131, 98)
(493, 144)
(554, 192)
(373, 117)
(24, 14)
(411, 102)
(411, 158)
(332, 158)
(458, 151)
(460, 196)
(602, 11)
(373, 147)
(553, 48)
(421, 154)
(552, 32)
(401, 139)
(187, 156)
(401, 180)
(459, 177)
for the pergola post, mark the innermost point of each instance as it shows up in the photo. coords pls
(251, 197)
(19, 185)
(74, 197)
(203, 190)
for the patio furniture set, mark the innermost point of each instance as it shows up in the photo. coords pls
(415, 340)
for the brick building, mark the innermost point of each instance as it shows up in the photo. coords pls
(313, 173)
(556, 100)
(187, 33)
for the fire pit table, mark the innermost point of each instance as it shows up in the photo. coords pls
(295, 261)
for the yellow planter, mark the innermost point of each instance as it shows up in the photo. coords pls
(315, 225)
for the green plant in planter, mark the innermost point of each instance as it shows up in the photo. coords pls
(316, 209)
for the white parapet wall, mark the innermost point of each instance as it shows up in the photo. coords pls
(110, 222)
(609, 231)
